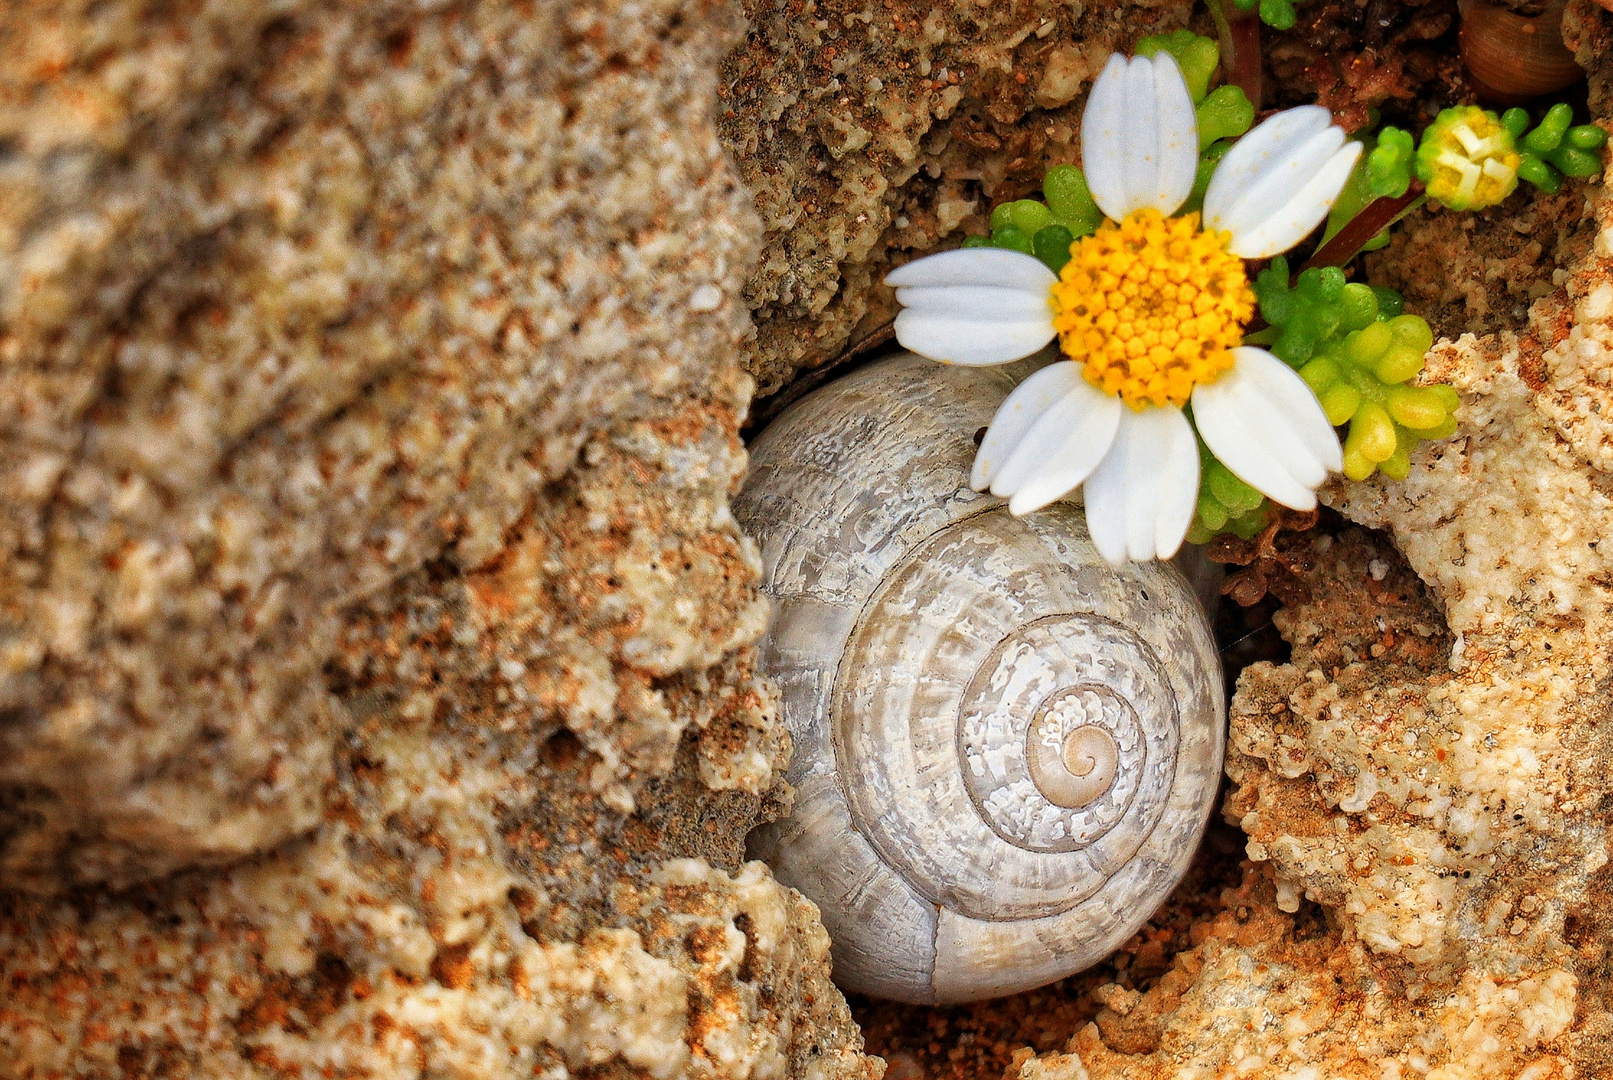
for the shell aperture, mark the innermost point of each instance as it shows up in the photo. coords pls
(1005, 749)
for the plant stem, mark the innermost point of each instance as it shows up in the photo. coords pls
(1374, 217)
(1239, 32)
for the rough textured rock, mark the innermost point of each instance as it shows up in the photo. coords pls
(372, 615)
(293, 301)
(372, 620)
(1424, 786)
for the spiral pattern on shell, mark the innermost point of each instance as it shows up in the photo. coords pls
(1005, 748)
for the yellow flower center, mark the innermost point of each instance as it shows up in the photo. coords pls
(1150, 306)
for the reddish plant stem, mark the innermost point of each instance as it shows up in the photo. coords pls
(1240, 48)
(1374, 216)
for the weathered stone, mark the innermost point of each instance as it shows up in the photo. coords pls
(373, 618)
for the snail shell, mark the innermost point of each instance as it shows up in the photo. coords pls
(1513, 58)
(1005, 749)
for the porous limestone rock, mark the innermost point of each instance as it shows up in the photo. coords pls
(375, 687)
(294, 298)
(1424, 786)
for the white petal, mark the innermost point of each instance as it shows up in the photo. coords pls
(977, 303)
(976, 266)
(1302, 213)
(1060, 449)
(1282, 385)
(1029, 400)
(970, 342)
(974, 306)
(1178, 136)
(1141, 498)
(1252, 156)
(1142, 135)
(1139, 136)
(1103, 139)
(1254, 421)
(1270, 190)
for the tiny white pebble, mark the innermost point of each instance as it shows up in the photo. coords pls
(1379, 569)
(706, 298)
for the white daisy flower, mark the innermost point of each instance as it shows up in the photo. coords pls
(1150, 311)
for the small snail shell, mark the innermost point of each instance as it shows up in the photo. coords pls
(1005, 748)
(1512, 58)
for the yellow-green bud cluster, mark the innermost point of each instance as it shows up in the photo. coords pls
(1364, 381)
(1358, 353)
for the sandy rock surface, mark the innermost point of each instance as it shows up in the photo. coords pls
(376, 697)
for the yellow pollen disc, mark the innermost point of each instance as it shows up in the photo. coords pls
(1150, 307)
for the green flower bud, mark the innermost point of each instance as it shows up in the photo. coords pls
(1586, 137)
(1416, 407)
(1028, 215)
(1232, 493)
(1359, 306)
(1468, 159)
(1390, 303)
(1201, 181)
(1340, 402)
(1372, 433)
(1013, 238)
(1278, 14)
(1540, 174)
(1397, 466)
(1551, 129)
(1412, 332)
(1211, 513)
(1576, 163)
(1366, 345)
(1388, 166)
(1321, 373)
(1398, 363)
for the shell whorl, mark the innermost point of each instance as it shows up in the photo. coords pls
(1005, 749)
(1070, 749)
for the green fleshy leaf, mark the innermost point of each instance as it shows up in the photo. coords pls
(1198, 57)
(1052, 245)
(1225, 114)
(1070, 200)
